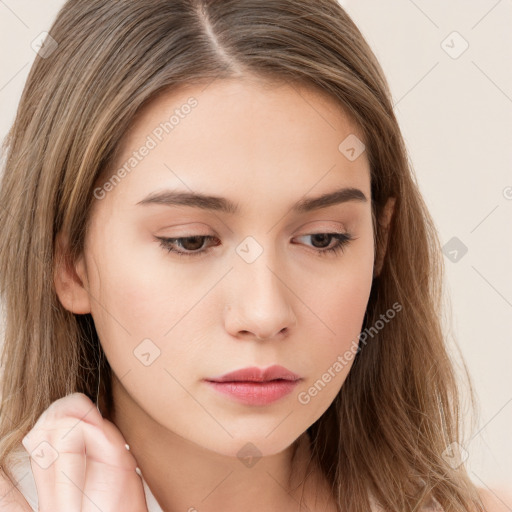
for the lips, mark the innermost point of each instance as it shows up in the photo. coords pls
(255, 386)
(254, 374)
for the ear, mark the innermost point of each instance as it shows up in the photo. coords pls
(70, 280)
(384, 222)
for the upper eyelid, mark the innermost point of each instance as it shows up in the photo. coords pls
(306, 231)
(208, 236)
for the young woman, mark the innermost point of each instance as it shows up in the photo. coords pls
(196, 188)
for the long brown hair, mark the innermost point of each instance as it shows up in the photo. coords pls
(399, 409)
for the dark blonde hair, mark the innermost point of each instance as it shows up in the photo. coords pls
(385, 433)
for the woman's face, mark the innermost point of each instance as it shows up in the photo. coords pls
(260, 291)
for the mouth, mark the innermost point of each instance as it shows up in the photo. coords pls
(255, 374)
(255, 393)
(255, 386)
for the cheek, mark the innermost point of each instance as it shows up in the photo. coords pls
(339, 296)
(331, 346)
(149, 316)
(137, 286)
(135, 300)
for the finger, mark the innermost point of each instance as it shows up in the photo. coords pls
(59, 474)
(110, 477)
(11, 499)
(80, 462)
(57, 452)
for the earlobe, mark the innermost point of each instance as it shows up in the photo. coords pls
(70, 280)
(384, 222)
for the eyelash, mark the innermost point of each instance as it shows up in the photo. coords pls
(342, 239)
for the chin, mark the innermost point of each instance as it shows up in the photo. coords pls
(247, 447)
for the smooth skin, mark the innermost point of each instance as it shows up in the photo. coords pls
(264, 147)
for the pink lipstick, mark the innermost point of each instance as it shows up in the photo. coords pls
(255, 386)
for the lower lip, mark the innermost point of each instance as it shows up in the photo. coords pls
(255, 393)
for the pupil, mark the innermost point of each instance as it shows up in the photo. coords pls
(195, 246)
(323, 237)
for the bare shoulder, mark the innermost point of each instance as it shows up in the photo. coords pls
(497, 499)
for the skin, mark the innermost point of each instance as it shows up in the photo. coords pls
(79, 462)
(264, 147)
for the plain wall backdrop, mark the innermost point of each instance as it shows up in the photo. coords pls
(449, 66)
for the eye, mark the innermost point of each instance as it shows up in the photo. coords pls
(188, 243)
(324, 240)
(191, 246)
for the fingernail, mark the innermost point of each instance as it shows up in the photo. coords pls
(127, 446)
(138, 471)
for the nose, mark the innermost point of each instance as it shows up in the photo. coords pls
(259, 301)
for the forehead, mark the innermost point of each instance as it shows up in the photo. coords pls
(253, 103)
(246, 135)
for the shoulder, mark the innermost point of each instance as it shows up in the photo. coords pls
(496, 500)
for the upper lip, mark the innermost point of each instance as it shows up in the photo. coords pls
(254, 374)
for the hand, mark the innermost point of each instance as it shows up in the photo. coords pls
(79, 462)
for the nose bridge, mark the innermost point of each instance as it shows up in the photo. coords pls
(260, 296)
(256, 266)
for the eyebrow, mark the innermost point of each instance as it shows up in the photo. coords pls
(224, 205)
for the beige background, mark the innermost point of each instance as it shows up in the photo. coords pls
(455, 110)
